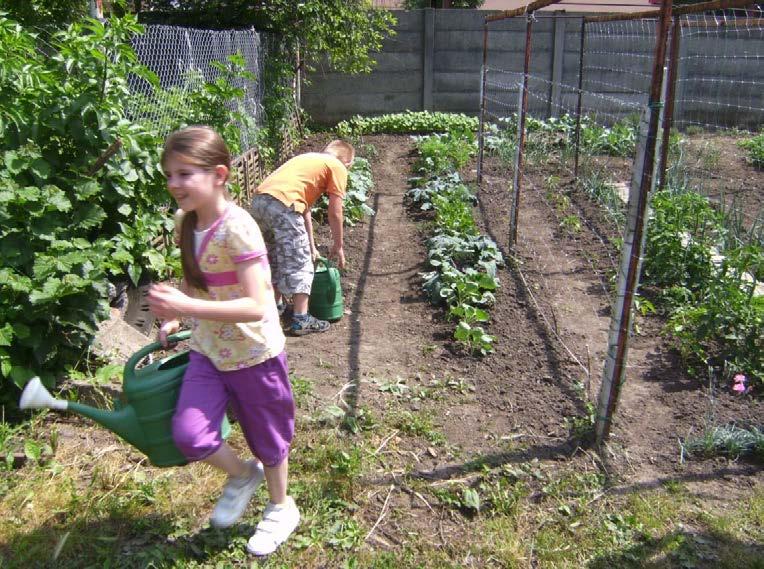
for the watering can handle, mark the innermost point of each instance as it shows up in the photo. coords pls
(153, 347)
(324, 261)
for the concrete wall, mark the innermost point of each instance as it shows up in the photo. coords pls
(434, 62)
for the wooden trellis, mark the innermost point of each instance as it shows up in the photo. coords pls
(247, 170)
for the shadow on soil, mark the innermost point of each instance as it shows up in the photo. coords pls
(354, 362)
(549, 342)
(684, 549)
(119, 541)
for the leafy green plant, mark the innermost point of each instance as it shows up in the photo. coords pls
(441, 154)
(682, 230)
(71, 215)
(407, 122)
(755, 148)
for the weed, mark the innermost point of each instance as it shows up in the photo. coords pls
(419, 425)
(726, 440)
(571, 224)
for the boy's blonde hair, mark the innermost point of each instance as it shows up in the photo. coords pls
(343, 151)
(203, 147)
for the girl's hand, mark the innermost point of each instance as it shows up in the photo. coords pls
(169, 327)
(167, 302)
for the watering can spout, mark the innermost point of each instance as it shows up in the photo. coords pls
(121, 422)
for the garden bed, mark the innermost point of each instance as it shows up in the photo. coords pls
(445, 459)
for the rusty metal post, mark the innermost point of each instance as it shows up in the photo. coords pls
(481, 134)
(523, 111)
(631, 256)
(580, 95)
(668, 111)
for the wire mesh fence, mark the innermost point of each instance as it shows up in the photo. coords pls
(617, 126)
(182, 59)
(718, 110)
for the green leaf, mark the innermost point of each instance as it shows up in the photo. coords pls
(14, 163)
(6, 335)
(40, 168)
(32, 450)
(5, 363)
(21, 375)
(471, 499)
(134, 272)
(125, 209)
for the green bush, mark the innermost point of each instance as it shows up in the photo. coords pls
(65, 226)
(715, 317)
(682, 232)
(755, 148)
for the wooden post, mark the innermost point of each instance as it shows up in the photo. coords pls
(580, 95)
(668, 111)
(481, 125)
(631, 253)
(522, 112)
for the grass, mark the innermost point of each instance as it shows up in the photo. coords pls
(362, 506)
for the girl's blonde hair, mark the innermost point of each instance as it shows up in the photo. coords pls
(198, 146)
(341, 150)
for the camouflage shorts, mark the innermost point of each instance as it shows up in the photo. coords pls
(288, 245)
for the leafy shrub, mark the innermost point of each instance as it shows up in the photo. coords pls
(408, 122)
(755, 148)
(617, 140)
(723, 324)
(683, 229)
(715, 316)
(66, 227)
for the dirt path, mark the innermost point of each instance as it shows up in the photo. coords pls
(385, 328)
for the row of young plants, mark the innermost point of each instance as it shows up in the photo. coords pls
(409, 122)
(558, 135)
(701, 273)
(464, 263)
(72, 218)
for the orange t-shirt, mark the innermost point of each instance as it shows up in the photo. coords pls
(301, 180)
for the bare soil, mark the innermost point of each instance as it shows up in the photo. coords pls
(551, 321)
(516, 405)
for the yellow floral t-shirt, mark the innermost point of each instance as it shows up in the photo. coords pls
(233, 238)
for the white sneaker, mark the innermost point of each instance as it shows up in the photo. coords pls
(236, 495)
(278, 523)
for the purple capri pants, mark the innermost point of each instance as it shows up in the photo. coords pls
(261, 397)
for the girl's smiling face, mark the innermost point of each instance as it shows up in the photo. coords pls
(192, 186)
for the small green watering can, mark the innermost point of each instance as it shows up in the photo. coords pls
(145, 418)
(325, 302)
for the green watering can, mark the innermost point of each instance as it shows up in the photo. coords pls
(145, 418)
(325, 302)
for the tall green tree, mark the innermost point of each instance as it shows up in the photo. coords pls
(45, 15)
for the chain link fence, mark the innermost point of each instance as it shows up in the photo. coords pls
(182, 58)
